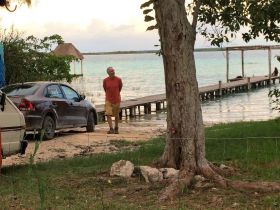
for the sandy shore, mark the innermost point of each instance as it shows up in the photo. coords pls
(78, 142)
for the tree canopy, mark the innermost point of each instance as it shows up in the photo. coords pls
(6, 4)
(31, 58)
(253, 18)
(220, 21)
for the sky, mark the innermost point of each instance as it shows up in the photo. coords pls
(91, 25)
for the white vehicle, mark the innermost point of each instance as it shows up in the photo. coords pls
(12, 128)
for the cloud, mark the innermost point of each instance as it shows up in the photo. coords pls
(92, 25)
(99, 36)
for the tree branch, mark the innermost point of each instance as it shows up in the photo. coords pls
(195, 14)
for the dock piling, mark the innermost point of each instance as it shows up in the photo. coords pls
(249, 83)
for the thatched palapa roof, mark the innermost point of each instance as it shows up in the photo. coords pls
(68, 49)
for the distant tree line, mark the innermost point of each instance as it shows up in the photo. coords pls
(31, 59)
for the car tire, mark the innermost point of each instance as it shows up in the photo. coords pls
(90, 123)
(49, 128)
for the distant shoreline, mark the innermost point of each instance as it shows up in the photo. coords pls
(211, 49)
(148, 51)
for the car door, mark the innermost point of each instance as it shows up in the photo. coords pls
(12, 126)
(77, 107)
(58, 104)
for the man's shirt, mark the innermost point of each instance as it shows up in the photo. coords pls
(112, 88)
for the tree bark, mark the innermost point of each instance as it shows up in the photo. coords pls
(185, 138)
(185, 141)
(185, 148)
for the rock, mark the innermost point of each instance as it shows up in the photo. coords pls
(122, 168)
(151, 174)
(112, 148)
(222, 166)
(203, 185)
(199, 178)
(235, 204)
(61, 155)
(227, 169)
(169, 173)
(199, 181)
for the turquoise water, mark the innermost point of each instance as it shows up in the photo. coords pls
(143, 75)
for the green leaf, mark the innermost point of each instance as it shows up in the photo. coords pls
(147, 4)
(146, 11)
(30, 59)
(148, 18)
(152, 28)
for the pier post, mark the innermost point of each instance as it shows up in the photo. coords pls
(227, 57)
(125, 113)
(146, 111)
(121, 114)
(147, 108)
(242, 62)
(249, 83)
(82, 71)
(220, 88)
(101, 117)
(158, 106)
(132, 111)
(269, 64)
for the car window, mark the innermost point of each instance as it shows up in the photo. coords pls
(53, 91)
(70, 93)
(20, 89)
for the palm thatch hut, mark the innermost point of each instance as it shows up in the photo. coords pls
(69, 49)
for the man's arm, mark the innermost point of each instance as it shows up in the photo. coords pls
(104, 85)
(121, 84)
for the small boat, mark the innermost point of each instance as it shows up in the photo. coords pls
(237, 78)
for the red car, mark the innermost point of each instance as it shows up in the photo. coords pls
(51, 106)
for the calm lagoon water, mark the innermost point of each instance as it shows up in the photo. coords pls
(143, 75)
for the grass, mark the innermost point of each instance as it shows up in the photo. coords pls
(250, 146)
(84, 182)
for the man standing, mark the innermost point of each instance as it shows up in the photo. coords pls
(112, 86)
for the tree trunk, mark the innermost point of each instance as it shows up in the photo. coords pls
(185, 141)
(185, 148)
(185, 138)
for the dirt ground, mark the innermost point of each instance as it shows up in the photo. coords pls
(77, 142)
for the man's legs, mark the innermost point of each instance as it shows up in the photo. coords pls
(109, 120)
(116, 110)
(108, 113)
(117, 124)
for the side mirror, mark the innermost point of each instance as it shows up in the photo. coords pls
(2, 101)
(82, 97)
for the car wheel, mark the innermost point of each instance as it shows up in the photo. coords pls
(90, 123)
(48, 127)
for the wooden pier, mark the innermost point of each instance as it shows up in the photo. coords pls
(145, 105)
